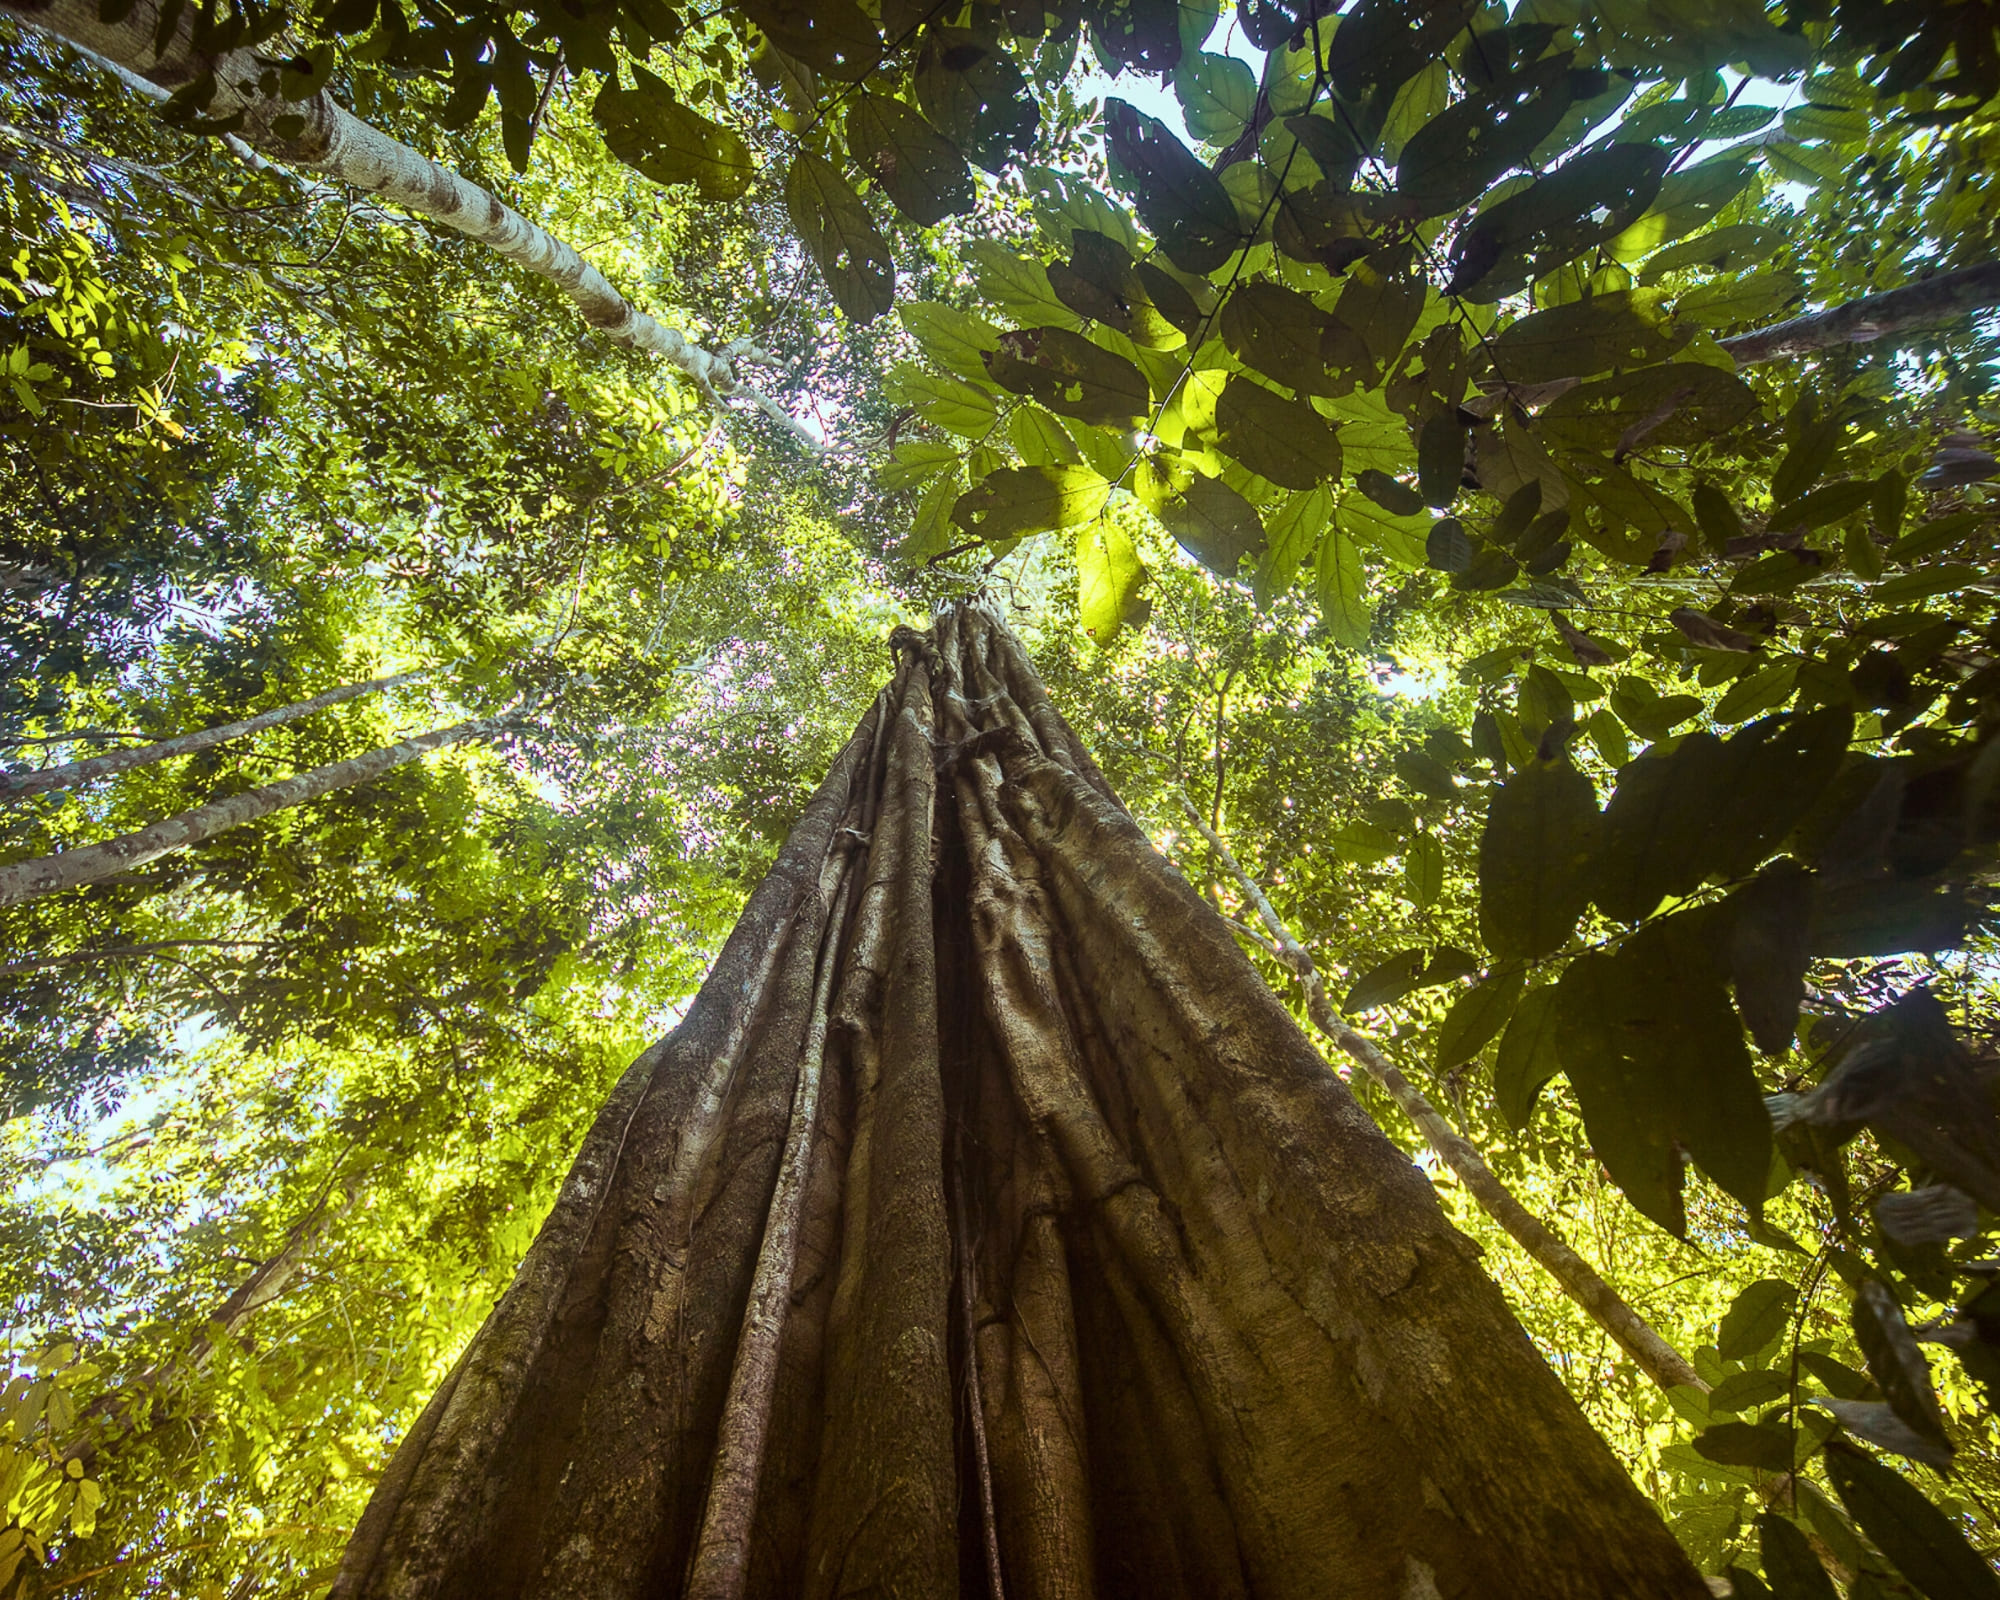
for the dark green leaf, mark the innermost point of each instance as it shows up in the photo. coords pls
(840, 236)
(1447, 547)
(1793, 1570)
(654, 134)
(1585, 337)
(1896, 1363)
(1477, 1016)
(1283, 440)
(1922, 1542)
(833, 36)
(1659, 1067)
(1527, 1057)
(1755, 1318)
(919, 169)
(1424, 773)
(1214, 524)
(1541, 830)
(1398, 499)
(1763, 1445)
(1768, 921)
(1177, 197)
(1453, 157)
(1021, 500)
(1441, 457)
(1070, 375)
(1586, 201)
(1387, 981)
(1746, 1391)
(972, 92)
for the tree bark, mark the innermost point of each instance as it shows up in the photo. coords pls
(15, 785)
(93, 863)
(1633, 1334)
(1931, 303)
(1025, 1123)
(333, 141)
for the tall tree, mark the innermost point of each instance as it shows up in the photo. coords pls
(972, 1025)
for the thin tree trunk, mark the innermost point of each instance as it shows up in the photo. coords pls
(1659, 1360)
(1067, 1143)
(15, 785)
(333, 141)
(93, 863)
(1932, 303)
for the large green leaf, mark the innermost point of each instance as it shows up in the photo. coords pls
(1658, 1063)
(1527, 1057)
(1477, 1016)
(918, 168)
(1177, 197)
(1755, 1318)
(1283, 440)
(1070, 375)
(1541, 833)
(1453, 157)
(1922, 1541)
(1342, 588)
(1218, 95)
(1294, 533)
(840, 236)
(1109, 579)
(1555, 219)
(653, 133)
(970, 89)
(1280, 333)
(832, 36)
(1021, 500)
(1213, 523)
(956, 340)
(946, 402)
(1622, 328)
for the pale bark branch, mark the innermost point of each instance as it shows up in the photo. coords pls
(16, 785)
(93, 863)
(1931, 303)
(319, 133)
(1576, 1277)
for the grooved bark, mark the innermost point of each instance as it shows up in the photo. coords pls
(93, 863)
(1066, 1142)
(1577, 1278)
(15, 785)
(318, 132)
(1931, 303)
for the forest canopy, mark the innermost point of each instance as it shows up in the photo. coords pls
(1505, 494)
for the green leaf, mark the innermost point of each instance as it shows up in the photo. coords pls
(1477, 1016)
(1897, 1364)
(1423, 873)
(1283, 335)
(970, 90)
(1923, 1543)
(1021, 500)
(1342, 587)
(1729, 249)
(1218, 95)
(832, 36)
(1424, 773)
(1922, 585)
(918, 460)
(1618, 329)
(1110, 577)
(1588, 200)
(1757, 691)
(1016, 286)
(1789, 1563)
(654, 134)
(1746, 1391)
(1180, 201)
(1659, 1067)
(1755, 1318)
(1447, 548)
(1039, 439)
(1541, 830)
(1452, 158)
(1527, 1057)
(1388, 980)
(1767, 1446)
(1283, 440)
(918, 168)
(1069, 375)
(1213, 523)
(1398, 499)
(956, 340)
(948, 403)
(1769, 920)
(840, 237)
(1441, 459)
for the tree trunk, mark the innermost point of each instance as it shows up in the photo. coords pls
(93, 863)
(1933, 302)
(1575, 1276)
(974, 1042)
(318, 132)
(15, 785)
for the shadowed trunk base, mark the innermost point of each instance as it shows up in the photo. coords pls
(989, 1228)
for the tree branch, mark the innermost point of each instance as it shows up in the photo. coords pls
(1932, 303)
(318, 132)
(1659, 1360)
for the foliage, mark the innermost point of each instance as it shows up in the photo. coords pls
(1372, 468)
